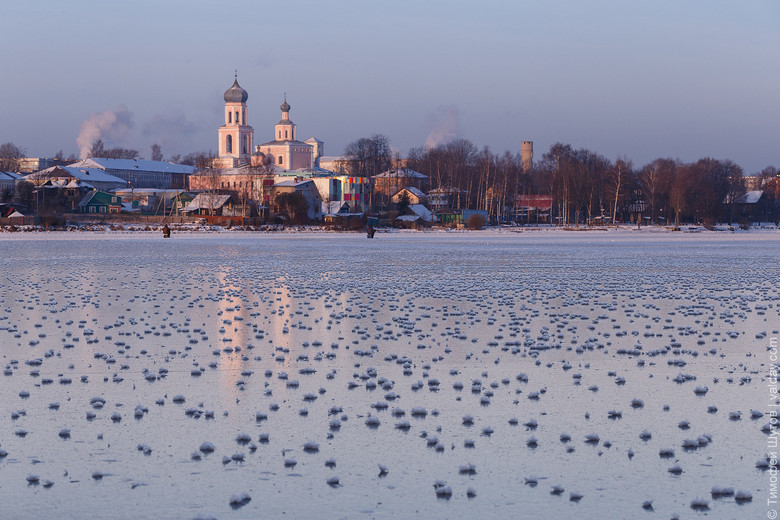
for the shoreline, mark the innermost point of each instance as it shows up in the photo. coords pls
(266, 230)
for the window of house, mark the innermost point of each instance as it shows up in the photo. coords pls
(92, 209)
(102, 209)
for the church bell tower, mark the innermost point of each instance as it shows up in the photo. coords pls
(235, 136)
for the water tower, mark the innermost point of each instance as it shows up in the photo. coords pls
(527, 154)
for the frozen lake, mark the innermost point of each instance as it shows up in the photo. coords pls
(431, 375)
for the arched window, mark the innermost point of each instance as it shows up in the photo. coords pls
(245, 145)
(285, 134)
(280, 134)
(229, 144)
(281, 160)
(230, 117)
(237, 120)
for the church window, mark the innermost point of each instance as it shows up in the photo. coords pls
(245, 145)
(237, 121)
(281, 160)
(229, 144)
(280, 134)
(285, 134)
(230, 117)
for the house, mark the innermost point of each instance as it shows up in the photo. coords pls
(752, 205)
(533, 208)
(84, 176)
(100, 202)
(210, 203)
(310, 193)
(446, 198)
(333, 208)
(391, 181)
(8, 181)
(155, 201)
(413, 195)
(415, 212)
(336, 163)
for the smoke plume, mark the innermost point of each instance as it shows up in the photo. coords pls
(111, 126)
(444, 125)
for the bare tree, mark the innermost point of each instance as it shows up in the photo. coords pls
(619, 175)
(9, 157)
(98, 149)
(157, 154)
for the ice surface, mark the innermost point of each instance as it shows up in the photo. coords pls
(133, 366)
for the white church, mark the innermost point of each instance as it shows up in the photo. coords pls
(236, 139)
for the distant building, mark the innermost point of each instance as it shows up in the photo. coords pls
(446, 198)
(100, 202)
(413, 195)
(140, 173)
(34, 164)
(8, 182)
(390, 182)
(308, 189)
(533, 208)
(153, 200)
(336, 163)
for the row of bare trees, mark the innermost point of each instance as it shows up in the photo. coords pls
(586, 185)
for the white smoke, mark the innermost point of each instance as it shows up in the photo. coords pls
(444, 125)
(111, 126)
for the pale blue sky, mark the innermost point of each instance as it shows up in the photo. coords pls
(668, 78)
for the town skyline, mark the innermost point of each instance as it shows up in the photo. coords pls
(636, 81)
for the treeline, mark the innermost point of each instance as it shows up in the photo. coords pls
(585, 186)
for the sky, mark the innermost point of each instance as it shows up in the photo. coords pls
(683, 79)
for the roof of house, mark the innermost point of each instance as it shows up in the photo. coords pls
(82, 174)
(401, 172)
(334, 207)
(291, 184)
(207, 201)
(133, 165)
(414, 191)
(92, 194)
(9, 176)
(422, 212)
(751, 197)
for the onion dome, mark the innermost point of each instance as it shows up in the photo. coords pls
(285, 106)
(236, 94)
